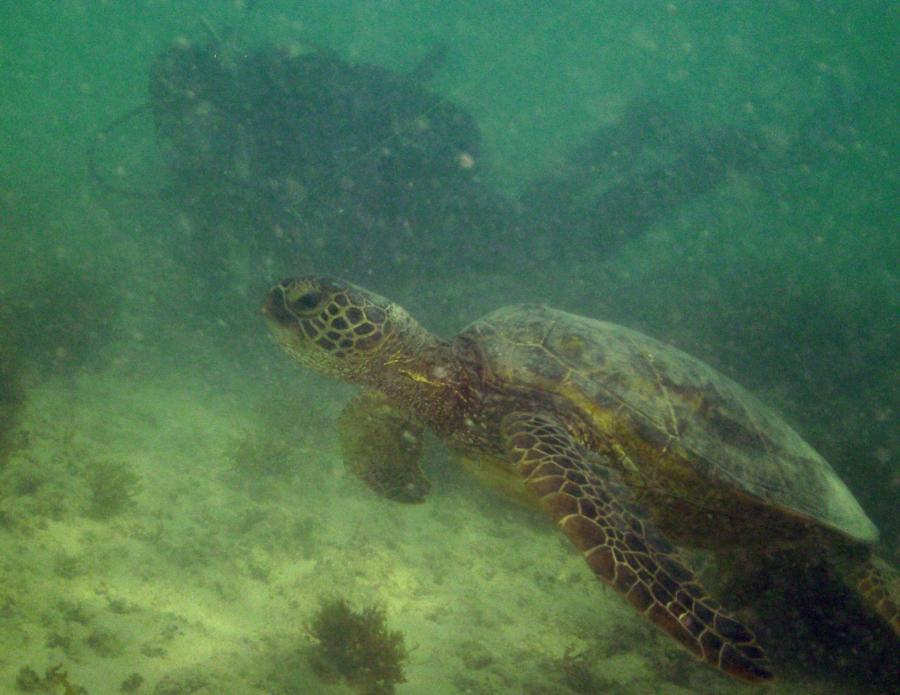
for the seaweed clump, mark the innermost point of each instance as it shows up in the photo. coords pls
(12, 398)
(358, 646)
(112, 486)
(55, 681)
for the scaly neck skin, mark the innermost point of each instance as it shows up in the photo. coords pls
(422, 375)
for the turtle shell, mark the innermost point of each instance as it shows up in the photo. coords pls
(662, 406)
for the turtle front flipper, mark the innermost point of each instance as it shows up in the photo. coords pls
(623, 548)
(878, 585)
(382, 447)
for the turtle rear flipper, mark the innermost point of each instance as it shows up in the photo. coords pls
(382, 447)
(623, 548)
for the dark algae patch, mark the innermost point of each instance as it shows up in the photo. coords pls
(12, 399)
(55, 681)
(112, 486)
(357, 646)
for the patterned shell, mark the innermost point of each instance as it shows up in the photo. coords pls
(671, 400)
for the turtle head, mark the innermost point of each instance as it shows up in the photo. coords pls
(331, 326)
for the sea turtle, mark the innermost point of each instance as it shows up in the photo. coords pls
(630, 445)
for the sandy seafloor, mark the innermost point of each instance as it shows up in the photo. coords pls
(207, 581)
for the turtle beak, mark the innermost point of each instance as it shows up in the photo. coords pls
(274, 308)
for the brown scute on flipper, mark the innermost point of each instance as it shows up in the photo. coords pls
(623, 549)
(382, 447)
(878, 585)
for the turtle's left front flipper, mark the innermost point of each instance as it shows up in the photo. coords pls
(620, 544)
(878, 585)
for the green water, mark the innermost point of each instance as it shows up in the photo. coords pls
(173, 504)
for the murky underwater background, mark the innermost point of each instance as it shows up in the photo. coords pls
(173, 507)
